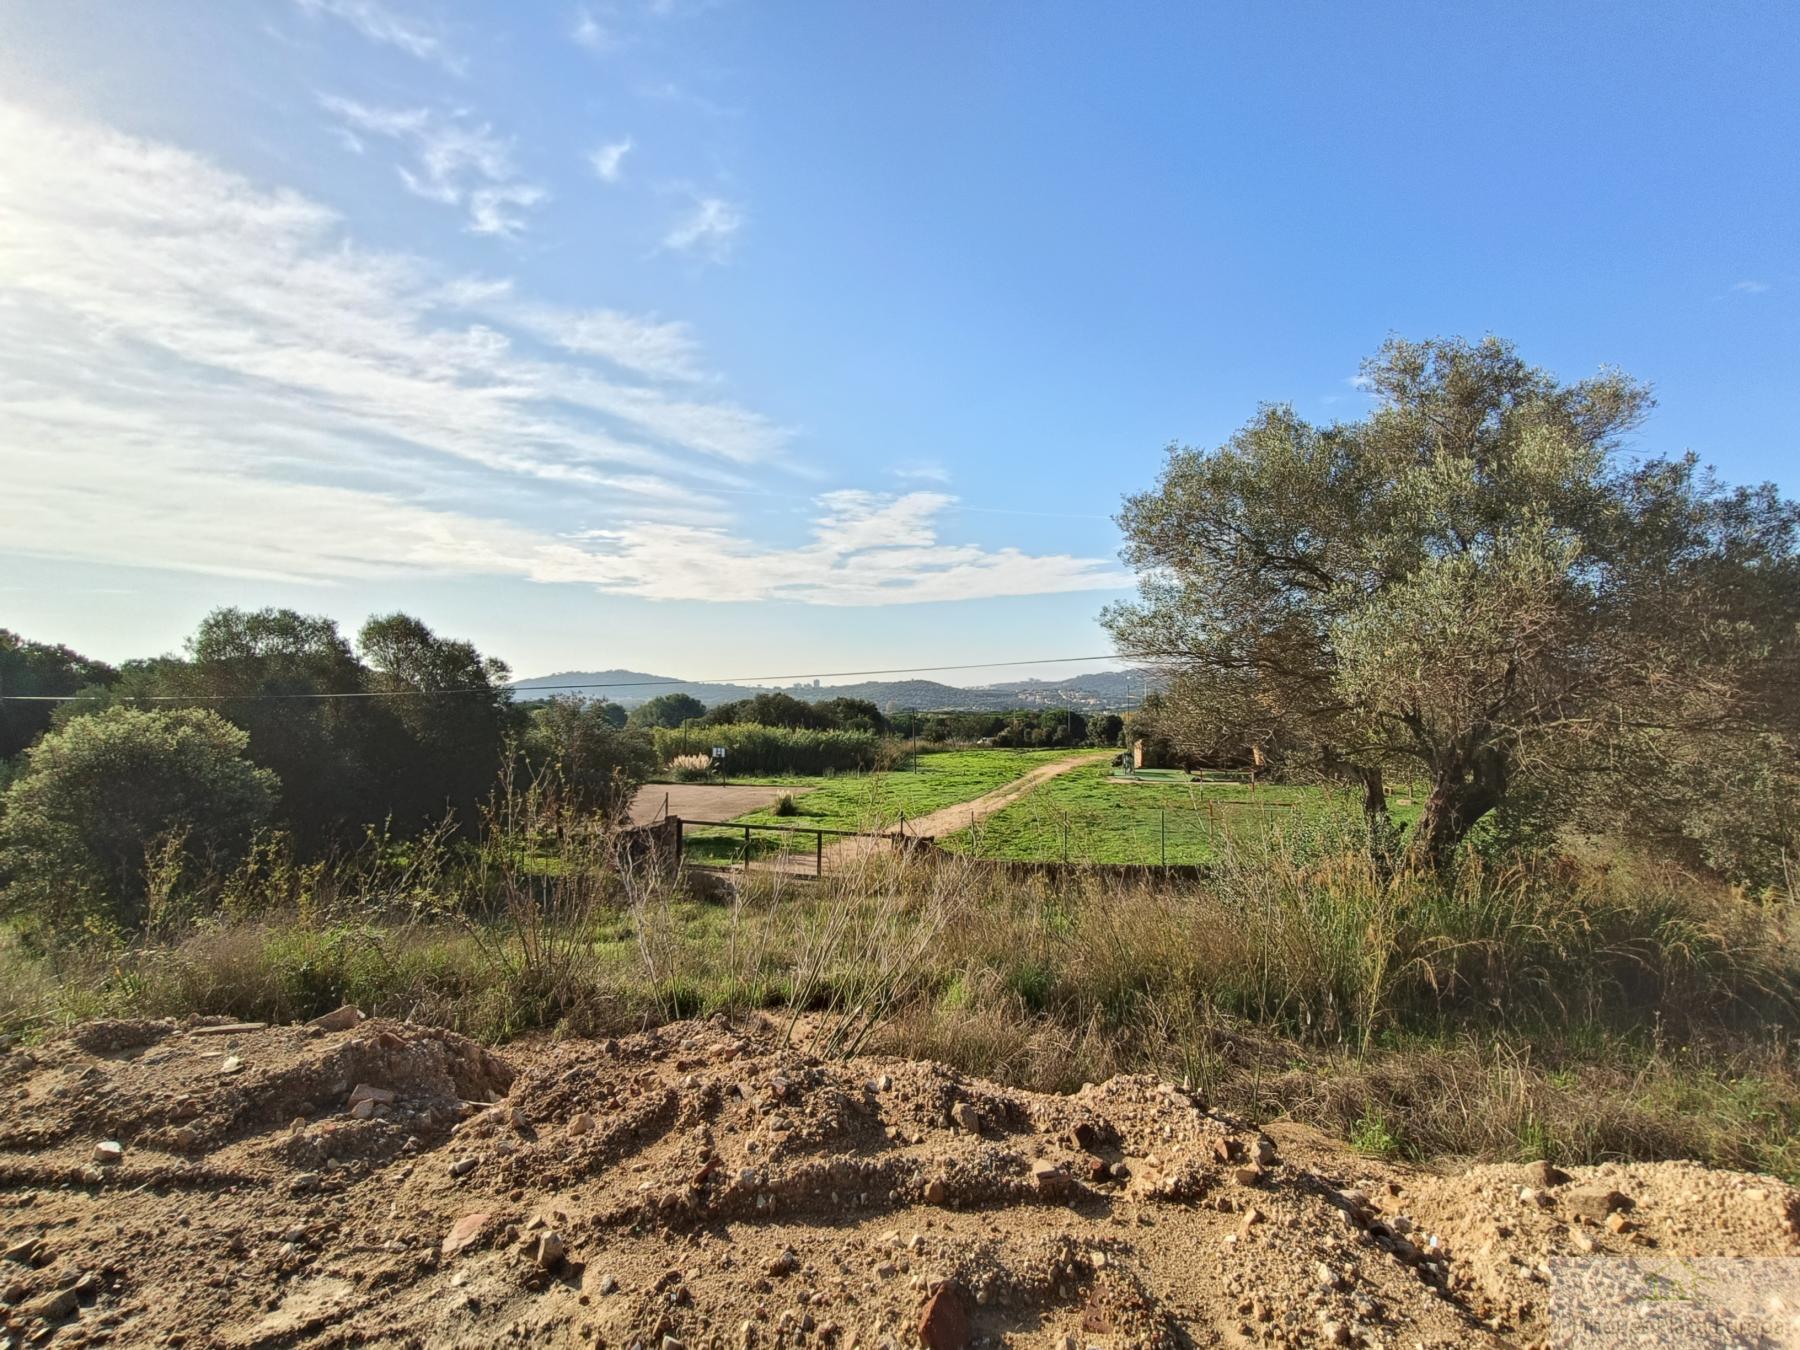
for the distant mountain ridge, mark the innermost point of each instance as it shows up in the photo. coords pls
(1100, 690)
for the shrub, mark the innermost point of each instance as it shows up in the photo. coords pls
(100, 796)
(691, 768)
(758, 749)
(784, 806)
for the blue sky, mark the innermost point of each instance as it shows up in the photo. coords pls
(728, 339)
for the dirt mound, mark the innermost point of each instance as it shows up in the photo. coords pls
(703, 1186)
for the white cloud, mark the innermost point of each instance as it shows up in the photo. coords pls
(708, 229)
(589, 32)
(381, 23)
(1749, 287)
(457, 163)
(609, 160)
(209, 376)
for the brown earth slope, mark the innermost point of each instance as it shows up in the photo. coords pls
(701, 1186)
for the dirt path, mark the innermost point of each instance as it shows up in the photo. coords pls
(705, 1185)
(703, 801)
(950, 819)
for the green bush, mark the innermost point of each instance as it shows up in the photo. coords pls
(785, 805)
(769, 750)
(114, 805)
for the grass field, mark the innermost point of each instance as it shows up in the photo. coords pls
(875, 801)
(1088, 815)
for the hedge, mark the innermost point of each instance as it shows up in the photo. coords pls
(750, 748)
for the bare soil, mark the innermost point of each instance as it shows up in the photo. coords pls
(705, 1185)
(703, 801)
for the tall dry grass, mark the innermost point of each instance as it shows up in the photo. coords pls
(1578, 1011)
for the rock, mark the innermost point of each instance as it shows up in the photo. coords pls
(580, 1123)
(1120, 1172)
(109, 1152)
(1541, 1175)
(339, 1019)
(51, 1307)
(23, 1252)
(1617, 1223)
(1265, 1151)
(936, 1192)
(1084, 1136)
(368, 1092)
(608, 1285)
(231, 1064)
(1334, 1333)
(305, 1181)
(1251, 1174)
(670, 1343)
(747, 1333)
(228, 1028)
(966, 1117)
(1049, 1178)
(1597, 1204)
(463, 1166)
(550, 1251)
(363, 1110)
(464, 1232)
(784, 1264)
(944, 1322)
(13, 1292)
(1098, 1170)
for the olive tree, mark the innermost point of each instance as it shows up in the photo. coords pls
(1471, 583)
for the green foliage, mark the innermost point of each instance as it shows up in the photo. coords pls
(38, 668)
(107, 797)
(785, 806)
(427, 745)
(752, 749)
(582, 759)
(770, 709)
(666, 710)
(434, 744)
(1469, 584)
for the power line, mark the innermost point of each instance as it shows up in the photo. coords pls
(557, 688)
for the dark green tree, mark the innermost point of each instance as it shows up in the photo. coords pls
(666, 710)
(439, 728)
(39, 668)
(101, 795)
(581, 759)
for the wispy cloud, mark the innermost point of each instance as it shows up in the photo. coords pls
(921, 471)
(383, 24)
(608, 161)
(587, 31)
(209, 375)
(708, 229)
(1749, 287)
(457, 163)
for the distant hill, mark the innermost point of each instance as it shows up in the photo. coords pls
(1106, 689)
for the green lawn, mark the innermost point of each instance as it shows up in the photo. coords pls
(1090, 816)
(875, 801)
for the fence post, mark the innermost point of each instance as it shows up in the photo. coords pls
(1065, 834)
(818, 853)
(746, 848)
(679, 841)
(1165, 836)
